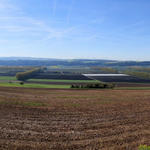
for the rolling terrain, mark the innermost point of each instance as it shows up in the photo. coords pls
(29, 61)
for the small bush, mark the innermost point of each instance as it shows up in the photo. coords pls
(75, 86)
(72, 86)
(144, 147)
(22, 83)
(110, 85)
(94, 85)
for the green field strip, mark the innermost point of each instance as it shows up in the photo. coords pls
(34, 85)
(67, 81)
(7, 78)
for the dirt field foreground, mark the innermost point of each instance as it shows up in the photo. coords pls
(43, 119)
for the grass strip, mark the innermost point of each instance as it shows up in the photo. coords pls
(7, 78)
(33, 85)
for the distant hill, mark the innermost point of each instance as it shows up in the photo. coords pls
(29, 61)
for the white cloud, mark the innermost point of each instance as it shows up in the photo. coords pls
(6, 6)
(18, 23)
(15, 22)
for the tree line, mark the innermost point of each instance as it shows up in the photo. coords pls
(94, 85)
(23, 76)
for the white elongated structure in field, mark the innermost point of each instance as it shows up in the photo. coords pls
(105, 75)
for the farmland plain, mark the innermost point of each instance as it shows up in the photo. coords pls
(38, 119)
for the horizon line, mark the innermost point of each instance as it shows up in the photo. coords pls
(34, 57)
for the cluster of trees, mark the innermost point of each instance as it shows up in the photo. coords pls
(108, 70)
(142, 69)
(23, 76)
(104, 70)
(142, 75)
(94, 85)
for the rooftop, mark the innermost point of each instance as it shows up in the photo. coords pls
(109, 75)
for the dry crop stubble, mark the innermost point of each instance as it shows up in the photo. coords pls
(78, 119)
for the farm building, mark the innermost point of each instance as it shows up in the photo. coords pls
(115, 78)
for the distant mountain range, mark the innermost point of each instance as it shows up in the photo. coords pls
(30, 61)
(24, 58)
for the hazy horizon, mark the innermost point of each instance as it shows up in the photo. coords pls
(75, 29)
(71, 58)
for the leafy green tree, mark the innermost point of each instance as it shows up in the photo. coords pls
(142, 75)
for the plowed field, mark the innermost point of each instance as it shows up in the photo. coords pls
(43, 119)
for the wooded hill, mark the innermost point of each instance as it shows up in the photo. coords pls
(27, 61)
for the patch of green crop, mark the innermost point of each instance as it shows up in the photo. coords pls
(30, 104)
(144, 147)
(34, 104)
(7, 78)
(33, 85)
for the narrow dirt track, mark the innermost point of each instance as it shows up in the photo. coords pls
(69, 120)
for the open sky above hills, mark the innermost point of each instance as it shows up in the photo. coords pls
(112, 29)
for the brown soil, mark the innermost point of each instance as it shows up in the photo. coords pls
(119, 84)
(74, 119)
(133, 84)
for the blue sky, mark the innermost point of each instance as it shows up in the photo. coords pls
(99, 29)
